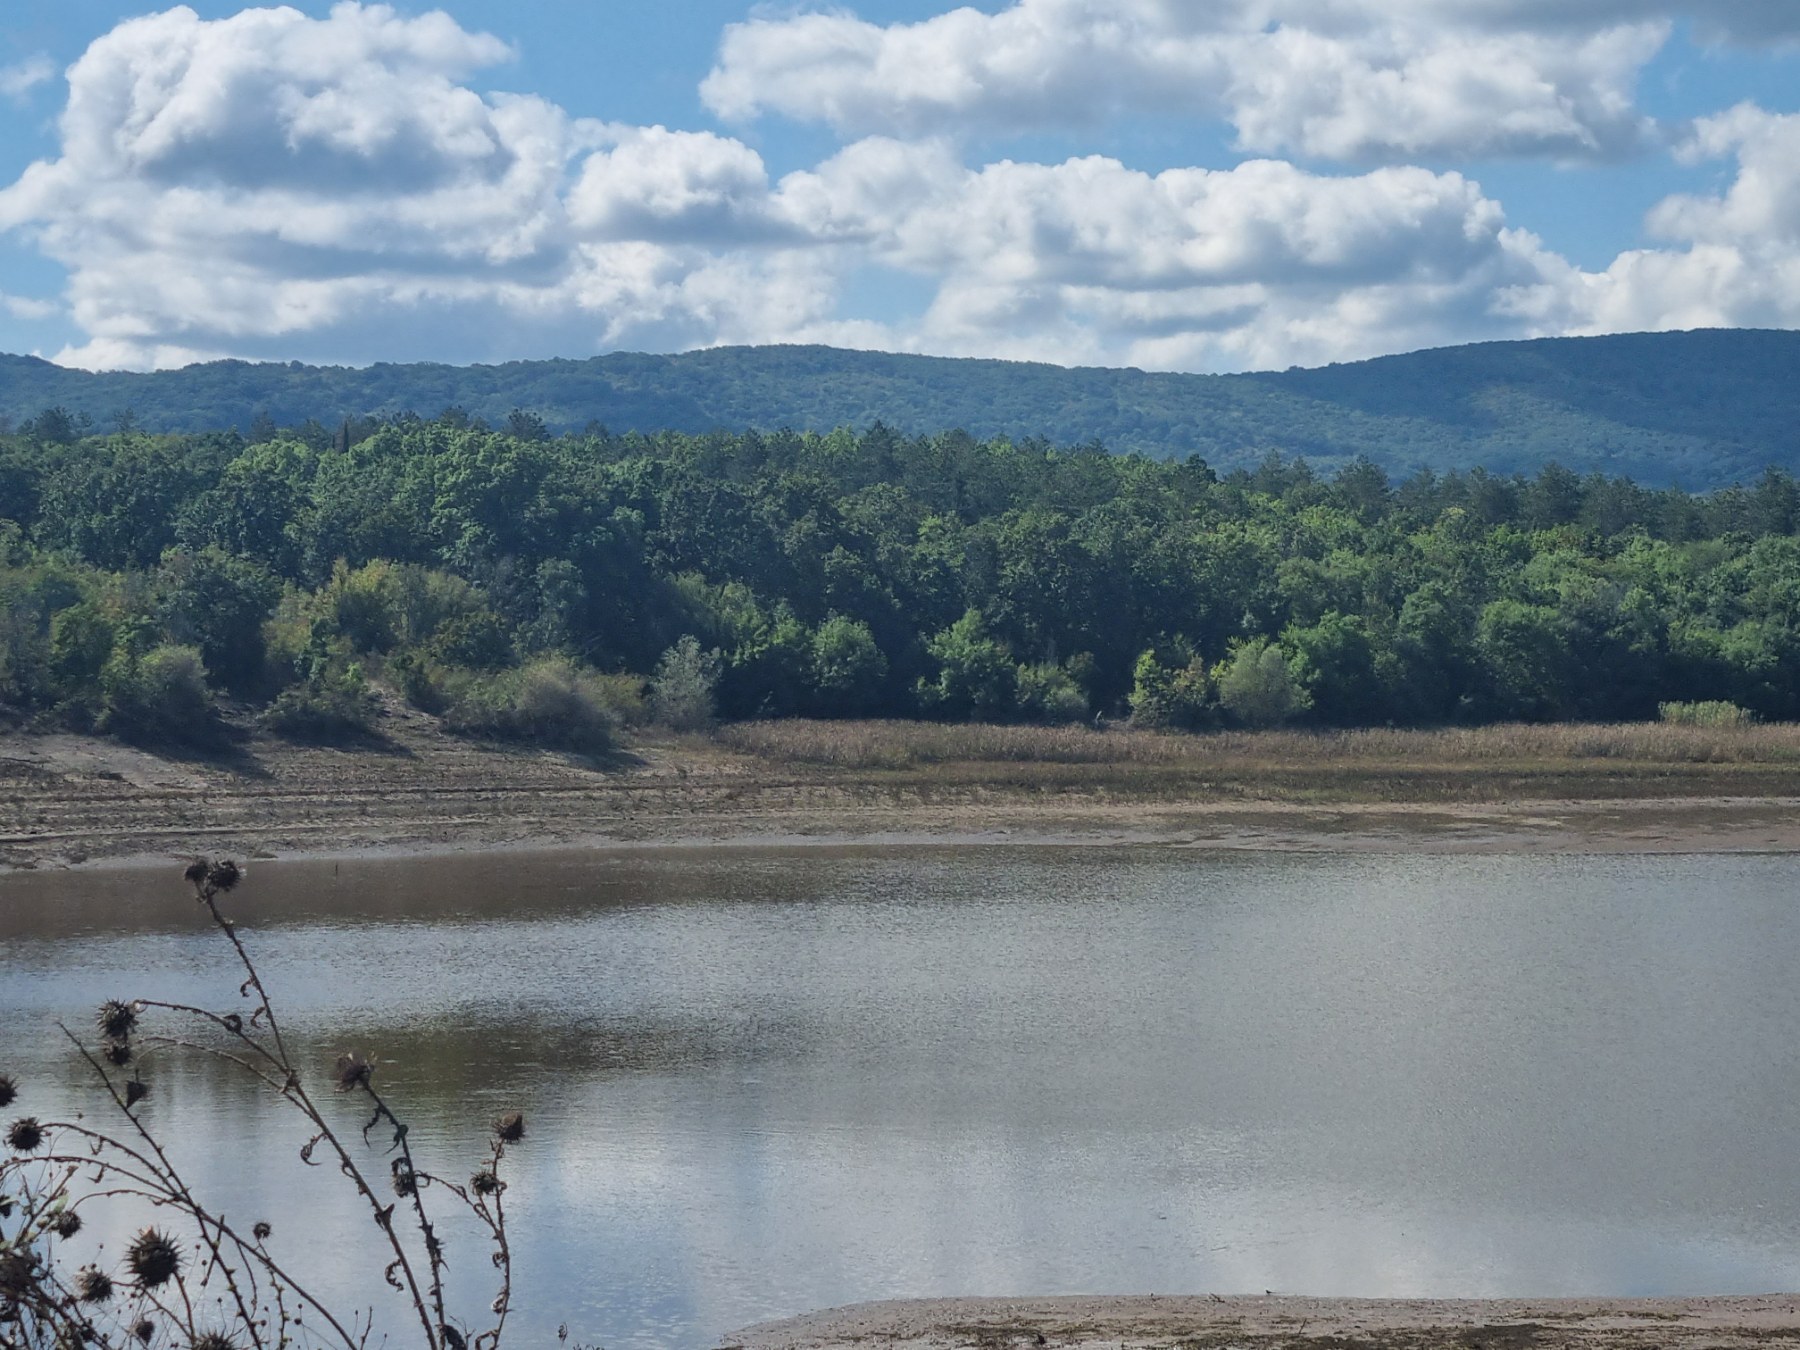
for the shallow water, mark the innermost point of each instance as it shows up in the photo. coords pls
(760, 1082)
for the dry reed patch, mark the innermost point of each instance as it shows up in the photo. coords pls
(907, 745)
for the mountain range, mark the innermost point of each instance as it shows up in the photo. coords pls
(1696, 409)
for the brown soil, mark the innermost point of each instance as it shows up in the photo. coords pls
(69, 799)
(1213, 1323)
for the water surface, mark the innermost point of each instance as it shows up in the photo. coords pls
(760, 1082)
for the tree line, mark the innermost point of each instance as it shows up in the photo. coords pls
(521, 583)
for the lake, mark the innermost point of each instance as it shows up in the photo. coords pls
(763, 1081)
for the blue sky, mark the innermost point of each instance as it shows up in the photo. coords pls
(1238, 184)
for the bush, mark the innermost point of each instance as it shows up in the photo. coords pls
(1714, 714)
(160, 696)
(681, 691)
(331, 707)
(81, 641)
(478, 640)
(1048, 693)
(977, 678)
(626, 698)
(1164, 697)
(421, 683)
(1257, 687)
(550, 702)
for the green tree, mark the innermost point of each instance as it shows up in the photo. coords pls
(681, 690)
(1257, 686)
(218, 604)
(977, 679)
(848, 668)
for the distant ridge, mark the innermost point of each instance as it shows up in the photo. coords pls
(1697, 409)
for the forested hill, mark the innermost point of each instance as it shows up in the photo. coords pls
(1698, 409)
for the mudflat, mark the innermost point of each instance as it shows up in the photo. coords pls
(1150, 1322)
(68, 799)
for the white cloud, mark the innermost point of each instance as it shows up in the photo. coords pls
(1734, 259)
(18, 80)
(270, 185)
(223, 183)
(23, 307)
(1346, 79)
(274, 185)
(1191, 269)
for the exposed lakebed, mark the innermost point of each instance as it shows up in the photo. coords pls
(760, 1081)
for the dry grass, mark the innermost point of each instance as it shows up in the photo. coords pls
(876, 746)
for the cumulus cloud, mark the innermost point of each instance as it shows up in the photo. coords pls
(333, 189)
(1344, 79)
(1733, 258)
(1189, 269)
(18, 80)
(271, 185)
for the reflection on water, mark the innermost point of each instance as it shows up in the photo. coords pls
(760, 1082)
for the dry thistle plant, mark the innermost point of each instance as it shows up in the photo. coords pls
(195, 1279)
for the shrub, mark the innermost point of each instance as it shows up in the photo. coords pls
(977, 678)
(478, 640)
(1164, 697)
(421, 683)
(550, 702)
(1257, 687)
(1048, 693)
(1714, 713)
(328, 708)
(681, 691)
(81, 641)
(626, 698)
(160, 696)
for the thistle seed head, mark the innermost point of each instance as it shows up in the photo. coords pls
(196, 872)
(26, 1135)
(262, 1232)
(214, 1340)
(353, 1071)
(116, 1020)
(67, 1224)
(18, 1272)
(224, 875)
(510, 1128)
(484, 1183)
(117, 1053)
(9, 1092)
(153, 1258)
(93, 1285)
(145, 1330)
(406, 1181)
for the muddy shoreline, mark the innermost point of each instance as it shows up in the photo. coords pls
(1205, 1322)
(69, 801)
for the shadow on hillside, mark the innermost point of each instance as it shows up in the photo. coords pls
(218, 745)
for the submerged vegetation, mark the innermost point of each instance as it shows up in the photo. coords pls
(529, 587)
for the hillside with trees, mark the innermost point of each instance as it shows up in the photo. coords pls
(1697, 410)
(527, 586)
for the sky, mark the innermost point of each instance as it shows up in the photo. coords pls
(1194, 185)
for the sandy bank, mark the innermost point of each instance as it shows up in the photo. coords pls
(1198, 1323)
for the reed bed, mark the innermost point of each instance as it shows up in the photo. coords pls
(891, 745)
